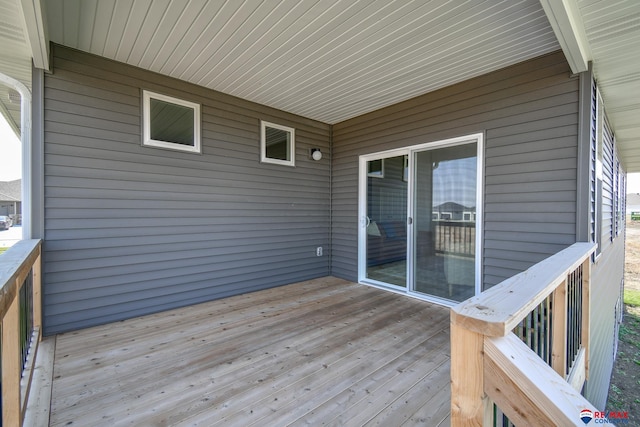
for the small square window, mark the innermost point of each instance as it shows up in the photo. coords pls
(170, 122)
(277, 144)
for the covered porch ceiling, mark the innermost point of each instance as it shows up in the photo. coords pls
(336, 59)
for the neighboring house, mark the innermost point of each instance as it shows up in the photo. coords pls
(633, 203)
(153, 192)
(11, 199)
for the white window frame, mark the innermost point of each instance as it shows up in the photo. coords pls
(478, 139)
(263, 144)
(146, 113)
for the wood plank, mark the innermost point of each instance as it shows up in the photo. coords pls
(422, 358)
(559, 330)
(407, 403)
(297, 399)
(37, 294)
(261, 364)
(39, 403)
(11, 366)
(467, 376)
(180, 345)
(528, 390)
(497, 311)
(293, 355)
(169, 335)
(15, 265)
(578, 374)
(586, 313)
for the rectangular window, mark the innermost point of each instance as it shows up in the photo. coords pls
(277, 144)
(170, 122)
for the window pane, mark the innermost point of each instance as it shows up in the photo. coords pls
(445, 221)
(171, 123)
(277, 144)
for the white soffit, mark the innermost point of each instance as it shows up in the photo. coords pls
(613, 30)
(329, 60)
(15, 59)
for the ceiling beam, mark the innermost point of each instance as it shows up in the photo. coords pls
(35, 26)
(566, 21)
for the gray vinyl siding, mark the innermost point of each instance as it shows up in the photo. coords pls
(607, 273)
(529, 115)
(132, 230)
(606, 278)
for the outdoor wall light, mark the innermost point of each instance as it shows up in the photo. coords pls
(316, 154)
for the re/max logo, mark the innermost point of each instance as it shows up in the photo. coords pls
(611, 414)
(604, 417)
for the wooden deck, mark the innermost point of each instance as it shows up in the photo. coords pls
(322, 352)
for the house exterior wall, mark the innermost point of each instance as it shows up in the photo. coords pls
(606, 279)
(529, 115)
(132, 230)
(605, 208)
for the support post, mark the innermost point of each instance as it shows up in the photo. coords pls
(11, 369)
(467, 382)
(37, 294)
(586, 312)
(559, 330)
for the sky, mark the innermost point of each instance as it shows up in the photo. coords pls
(10, 153)
(11, 165)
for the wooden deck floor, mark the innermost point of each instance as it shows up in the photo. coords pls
(322, 352)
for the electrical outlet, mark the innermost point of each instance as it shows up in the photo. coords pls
(319, 251)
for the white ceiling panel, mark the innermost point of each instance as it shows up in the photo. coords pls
(328, 60)
(331, 60)
(15, 59)
(613, 30)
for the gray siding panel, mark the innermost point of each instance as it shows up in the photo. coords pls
(606, 277)
(529, 114)
(132, 230)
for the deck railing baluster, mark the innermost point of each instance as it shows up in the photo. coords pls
(541, 312)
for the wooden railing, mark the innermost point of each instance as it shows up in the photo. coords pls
(20, 314)
(455, 237)
(523, 346)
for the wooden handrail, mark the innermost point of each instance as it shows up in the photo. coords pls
(16, 264)
(491, 364)
(498, 310)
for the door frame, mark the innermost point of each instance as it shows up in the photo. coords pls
(478, 139)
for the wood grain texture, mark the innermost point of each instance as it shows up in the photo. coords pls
(527, 389)
(321, 351)
(497, 311)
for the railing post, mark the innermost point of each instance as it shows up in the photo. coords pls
(559, 330)
(11, 369)
(586, 312)
(467, 381)
(37, 295)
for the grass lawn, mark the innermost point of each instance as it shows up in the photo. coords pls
(632, 297)
(3, 250)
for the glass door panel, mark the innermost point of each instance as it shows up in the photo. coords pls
(386, 228)
(445, 189)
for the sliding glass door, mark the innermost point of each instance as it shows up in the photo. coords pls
(386, 221)
(419, 215)
(445, 222)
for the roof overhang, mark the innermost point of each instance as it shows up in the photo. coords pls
(566, 21)
(35, 28)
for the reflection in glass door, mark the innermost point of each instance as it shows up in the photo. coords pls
(445, 189)
(386, 221)
(419, 214)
